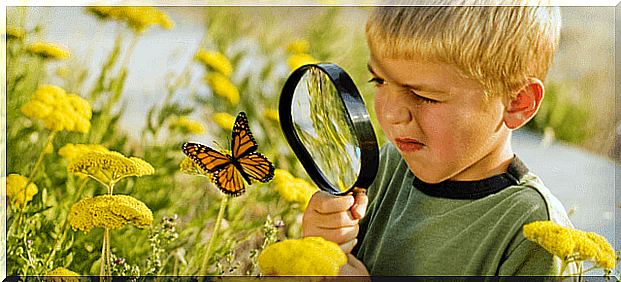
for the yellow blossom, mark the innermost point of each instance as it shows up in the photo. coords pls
(224, 120)
(221, 86)
(47, 50)
(299, 60)
(308, 256)
(70, 151)
(112, 164)
(140, 17)
(58, 110)
(61, 274)
(14, 34)
(187, 125)
(271, 115)
(109, 211)
(215, 60)
(188, 166)
(15, 184)
(298, 47)
(101, 12)
(571, 244)
(293, 189)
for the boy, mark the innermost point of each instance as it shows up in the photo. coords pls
(450, 197)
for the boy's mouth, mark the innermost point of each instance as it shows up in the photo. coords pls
(408, 144)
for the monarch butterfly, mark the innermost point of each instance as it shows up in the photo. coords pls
(244, 163)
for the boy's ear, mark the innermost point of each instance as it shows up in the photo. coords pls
(525, 105)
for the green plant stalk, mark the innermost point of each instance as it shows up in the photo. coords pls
(213, 235)
(63, 231)
(32, 174)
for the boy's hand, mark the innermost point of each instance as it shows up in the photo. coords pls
(353, 267)
(335, 218)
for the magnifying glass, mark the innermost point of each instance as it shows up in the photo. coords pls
(328, 127)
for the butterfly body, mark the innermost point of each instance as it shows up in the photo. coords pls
(230, 170)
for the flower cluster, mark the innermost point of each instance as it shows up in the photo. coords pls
(47, 50)
(222, 87)
(224, 120)
(58, 110)
(188, 166)
(109, 211)
(61, 271)
(15, 185)
(308, 256)
(111, 165)
(14, 34)
(299, 56)
(136, 17)
(216, 61)
(571, 244)
(293, 189)
(186, 125)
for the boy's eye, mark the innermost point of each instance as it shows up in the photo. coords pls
(377, 81)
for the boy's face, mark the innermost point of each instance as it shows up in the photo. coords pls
(439, 121)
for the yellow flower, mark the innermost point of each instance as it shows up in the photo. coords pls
(215, 60)
(297, 47)
(308, 256)
(101, 12)
(70, 151)
(47, 50)
(293, 189)
(271, 115)
(188, 166)
(187, 125)
(140, 17)
(111, 164)
(58, 110)
(15, 184)
(62, 275)
(568, 243)
(14, 34)
(299, 60)
(224, 120)
(109, 211)
(223, 87)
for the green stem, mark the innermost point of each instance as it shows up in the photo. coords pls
(63, 231)
(32, 174)
(213, 235)
(104, 269)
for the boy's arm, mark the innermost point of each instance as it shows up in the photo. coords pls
(529, 259)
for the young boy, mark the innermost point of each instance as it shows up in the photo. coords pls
(450, 197)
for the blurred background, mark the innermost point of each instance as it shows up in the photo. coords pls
(571, 143)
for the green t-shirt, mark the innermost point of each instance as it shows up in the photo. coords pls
(438, 232)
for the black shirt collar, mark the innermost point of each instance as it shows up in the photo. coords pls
(474, 189)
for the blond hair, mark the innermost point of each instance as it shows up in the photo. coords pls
(498, 46)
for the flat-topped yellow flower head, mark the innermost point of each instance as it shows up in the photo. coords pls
(186, 125)
(112, 164)
(109, 211)
(310, 256)
(222, 87)
(15, 185)
(224, 120)
(293, 189)
(215, 60)
(140, 17)
(59, 111)
(47, 50)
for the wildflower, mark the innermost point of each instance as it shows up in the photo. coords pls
(70, 151)
(101, 12)
(298, 47)
(187, 125)
(299, 60)
(307, 256)
(215, 60)
(140, 17)
(225, 120)
(271, 115)
(14, 34)
(571, 244)
(47, 50)
(61, 274)
(61, 271)
(188, 166)
(112, 164)
(109, 211)
(15, 185)
(58, 110)
(223, 87)
(293, 189)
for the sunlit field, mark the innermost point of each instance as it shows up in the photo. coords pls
(96, 179)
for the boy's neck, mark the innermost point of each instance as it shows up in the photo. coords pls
(494, 163)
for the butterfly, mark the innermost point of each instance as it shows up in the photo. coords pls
(244, 163)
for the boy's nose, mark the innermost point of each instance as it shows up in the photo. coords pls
(396, 113)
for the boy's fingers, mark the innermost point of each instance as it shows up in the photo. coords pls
(360, 204)
(339, 236)
(324, 202)
(331, 220)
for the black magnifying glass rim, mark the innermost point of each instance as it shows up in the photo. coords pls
(357, 114)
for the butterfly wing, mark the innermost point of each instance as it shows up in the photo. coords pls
(257, 166)
(243, 142)
(207, 158)
(229, 180)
